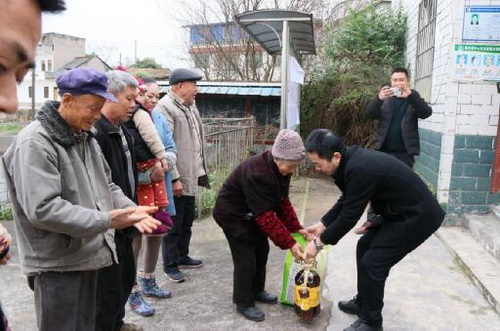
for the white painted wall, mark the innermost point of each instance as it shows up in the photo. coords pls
(40, 84)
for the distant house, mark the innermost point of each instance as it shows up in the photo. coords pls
(238, 100)
(56, 53)
(223, 52)
(88, 61)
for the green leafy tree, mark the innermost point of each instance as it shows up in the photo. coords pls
(147, 62)
(359, 54)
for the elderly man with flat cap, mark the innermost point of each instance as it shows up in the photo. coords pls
(65, 204)
(178, 106)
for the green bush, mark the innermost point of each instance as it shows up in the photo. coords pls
(207, 198)
(6, 212)
(11, 127)
(359, 54)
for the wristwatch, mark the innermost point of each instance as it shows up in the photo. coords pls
(318, 246)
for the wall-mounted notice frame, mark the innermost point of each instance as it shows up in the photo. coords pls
(481, 23)
(476, 62)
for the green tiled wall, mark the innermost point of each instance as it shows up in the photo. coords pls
(471, 175)
(427, 163)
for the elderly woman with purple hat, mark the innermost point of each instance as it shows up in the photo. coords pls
(252, 206)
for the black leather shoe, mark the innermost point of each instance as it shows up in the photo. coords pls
(251, 313)
(350, 306)
(361, 325)
(266, 297)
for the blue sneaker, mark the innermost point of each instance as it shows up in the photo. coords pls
(189, 262)
(138, 305)
(174, 275)
(151, 289)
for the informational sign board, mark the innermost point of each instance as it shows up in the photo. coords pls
(296, 79)
(477, 62)
(481, 23)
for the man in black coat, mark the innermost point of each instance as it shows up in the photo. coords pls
(398, 109)
(410, 214)
(116, 281)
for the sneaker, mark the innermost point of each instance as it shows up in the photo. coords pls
(131, 327)
(350, 306)
(190, 263)
(138, 305)
(174, 275)
(164, 218)
(150, 288)
(361, 325)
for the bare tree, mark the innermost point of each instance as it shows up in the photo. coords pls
(105, 52)
(222, 50)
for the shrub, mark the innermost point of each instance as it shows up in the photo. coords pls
(358, 56)
(6, 212)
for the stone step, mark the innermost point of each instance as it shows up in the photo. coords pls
(486, 230)
(482, 268)
(495, 210)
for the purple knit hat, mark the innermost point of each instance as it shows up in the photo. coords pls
(288, 146)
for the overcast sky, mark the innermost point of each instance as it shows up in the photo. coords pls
(111, 28)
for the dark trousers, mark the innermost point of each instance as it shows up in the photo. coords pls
(65, 300)
(377, 252)
(3, 320)
(175, 246)
(114, 284)
(249, 259)
(409, 160)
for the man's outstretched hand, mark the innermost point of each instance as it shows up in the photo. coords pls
(137, 216)
(315, 230)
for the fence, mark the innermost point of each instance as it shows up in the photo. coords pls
(228, 142)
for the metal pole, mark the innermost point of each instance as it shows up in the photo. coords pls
(33, 105)
(135, 51)
(285, 50)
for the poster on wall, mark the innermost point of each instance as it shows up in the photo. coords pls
(477, 62)
(481, 23)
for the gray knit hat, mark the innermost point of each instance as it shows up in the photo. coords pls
(288, 146)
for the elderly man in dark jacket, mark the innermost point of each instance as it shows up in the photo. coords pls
(410, 214)
(115, 282)
(398, 109)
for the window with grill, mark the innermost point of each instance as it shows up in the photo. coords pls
(425, 47)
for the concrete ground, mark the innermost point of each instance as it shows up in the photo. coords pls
(428, 290)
